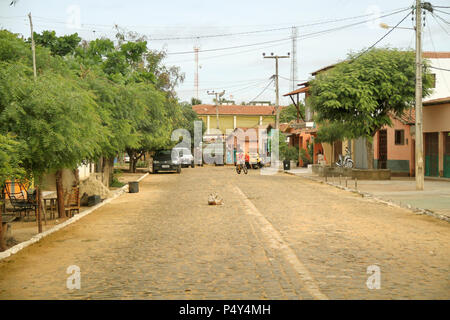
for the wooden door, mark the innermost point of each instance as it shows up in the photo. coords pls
(382, 149)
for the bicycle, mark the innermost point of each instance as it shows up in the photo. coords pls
(240, 167)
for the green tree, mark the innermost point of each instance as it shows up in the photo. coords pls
(364, 91)
(10, 169)
(54, 119)
(289, 113)
(195, 101)
(331, 132)
(58, 45)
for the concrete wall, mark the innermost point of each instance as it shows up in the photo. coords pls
(359, 153)
(436, 118)
(49, 180)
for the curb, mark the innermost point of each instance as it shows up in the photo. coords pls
(38, 237)
(419, 211)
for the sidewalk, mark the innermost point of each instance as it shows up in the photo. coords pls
(435, 197)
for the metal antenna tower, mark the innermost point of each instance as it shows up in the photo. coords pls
(196, 48)
(294, 58)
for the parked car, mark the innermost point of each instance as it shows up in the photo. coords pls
(126, 158)
(163, 161)
(186, 157)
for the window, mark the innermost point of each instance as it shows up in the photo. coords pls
(400, 137)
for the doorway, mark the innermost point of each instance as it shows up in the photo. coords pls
(432, 154)
(382, 149)
(446, 155)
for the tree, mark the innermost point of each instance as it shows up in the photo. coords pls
(58, 45)
(195, 101)
(331, 132)
(289, 113)
(53, 118)
(10, 169)
(366, 90)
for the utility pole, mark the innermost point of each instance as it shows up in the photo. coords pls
(277, 103)
(39, 201)
(419, 135)
(218, 95)
(33, 50)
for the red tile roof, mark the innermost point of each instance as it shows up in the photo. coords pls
(437, 101)
(436, 55)
(408, 116)
(210, 109)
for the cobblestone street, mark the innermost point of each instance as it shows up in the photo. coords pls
(275, 237)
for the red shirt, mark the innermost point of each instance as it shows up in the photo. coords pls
(247, 157)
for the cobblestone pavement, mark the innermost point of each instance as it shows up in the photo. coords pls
(275, 237)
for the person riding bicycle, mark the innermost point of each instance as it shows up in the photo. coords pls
(247, 160)
(240, 162)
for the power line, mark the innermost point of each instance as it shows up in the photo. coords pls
(443, 69)
(384, 36)
(56, 20)
(290, 38)
(442, 19)
(440, 25)
(442, 11)
(439, 63)
(270, 82)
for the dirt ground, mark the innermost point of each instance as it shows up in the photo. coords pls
(275, 237)
(25, 228)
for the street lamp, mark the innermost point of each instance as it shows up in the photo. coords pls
(385, 26)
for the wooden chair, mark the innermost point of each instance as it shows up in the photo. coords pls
(73, 202)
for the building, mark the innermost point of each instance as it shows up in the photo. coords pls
(231, 117)
(394, 146)
(436, 131)
(228, 118)
(439, 66)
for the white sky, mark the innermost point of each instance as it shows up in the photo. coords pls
(241, 72)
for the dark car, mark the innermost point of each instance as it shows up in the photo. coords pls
(162, 161)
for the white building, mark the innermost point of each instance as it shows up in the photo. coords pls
(439, 61)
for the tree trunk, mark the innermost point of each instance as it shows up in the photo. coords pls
(133, 161)
(332, 154)
(369, 147)
(76, 176)
(111, 170)
(60, 194)
(2, 239)
(39, 203)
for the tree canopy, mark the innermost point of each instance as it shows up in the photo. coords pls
(289, 113)
(363, 92)
(90, 99)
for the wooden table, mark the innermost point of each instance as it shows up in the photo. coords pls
(51, 197)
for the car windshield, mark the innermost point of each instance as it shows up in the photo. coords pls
(182, 151)
(163, 155)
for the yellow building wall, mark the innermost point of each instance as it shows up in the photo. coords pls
(242, 121)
